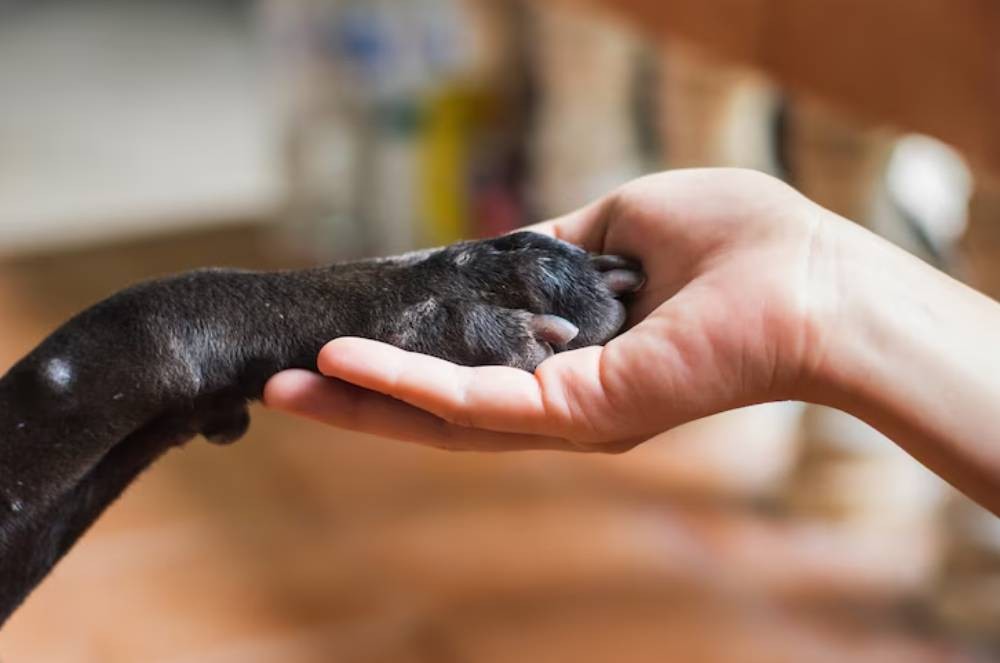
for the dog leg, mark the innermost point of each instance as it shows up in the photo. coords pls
(161, 362)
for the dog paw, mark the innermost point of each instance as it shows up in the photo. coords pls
(516, 300)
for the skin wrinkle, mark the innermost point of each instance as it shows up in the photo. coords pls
(607, 212)
(744, 366)
(587, 433)
(603, 378)
(680, 366)
(459, 413)
(555, 406)
(806, 342)
(773, 378)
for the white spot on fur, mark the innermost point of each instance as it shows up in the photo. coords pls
(16, 505)
(406, 259)
(59, 373)
(420, 310)
(188, 361)
(411, 318)
(21, 425)
(463, 258)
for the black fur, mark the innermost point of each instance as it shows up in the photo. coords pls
(163, 361)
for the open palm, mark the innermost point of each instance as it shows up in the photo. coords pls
(726, 318)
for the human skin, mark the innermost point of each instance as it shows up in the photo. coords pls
(753, 294)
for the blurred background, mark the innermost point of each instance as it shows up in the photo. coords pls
(141, 137)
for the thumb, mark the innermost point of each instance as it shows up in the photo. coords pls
(586, 227)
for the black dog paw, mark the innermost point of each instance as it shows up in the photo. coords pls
(158, 363)
(514, 300)
(224, 419)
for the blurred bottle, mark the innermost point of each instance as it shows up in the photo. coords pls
(472, 164)
(320, 57)
(385, 104)
(585, 135)
(713, 113)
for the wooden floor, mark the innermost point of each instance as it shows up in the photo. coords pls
(303, 544)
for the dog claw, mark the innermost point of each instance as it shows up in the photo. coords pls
(622, 281)
(553, 329)
(606, 262)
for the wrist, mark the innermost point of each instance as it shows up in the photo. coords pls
(912, 352)
(866, 300)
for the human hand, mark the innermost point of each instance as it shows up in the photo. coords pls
(729, 316)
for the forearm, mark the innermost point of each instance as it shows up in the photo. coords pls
(915, 354)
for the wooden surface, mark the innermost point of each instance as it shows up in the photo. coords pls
(931, 66)
(302, 544)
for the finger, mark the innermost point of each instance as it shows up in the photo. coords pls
(585, 227)
(346, 406)
(564, 398)
(462, 395)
